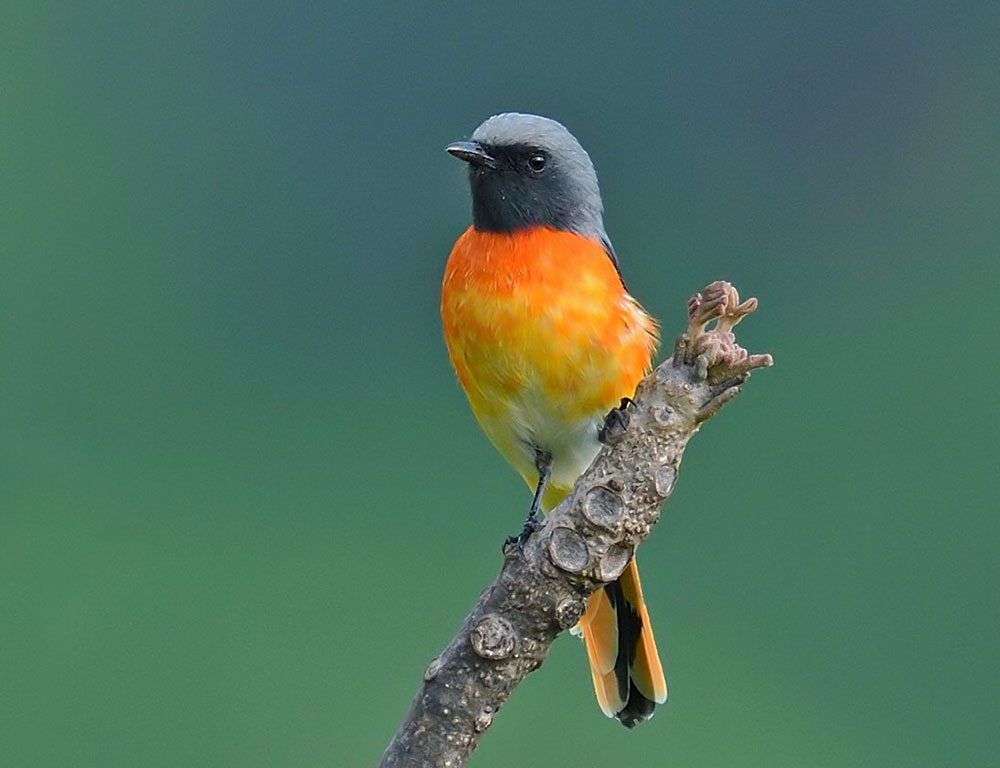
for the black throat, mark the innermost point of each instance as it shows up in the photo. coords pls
(509, 197)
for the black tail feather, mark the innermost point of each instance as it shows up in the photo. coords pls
(637, 707)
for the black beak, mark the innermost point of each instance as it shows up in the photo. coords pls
(471, 153)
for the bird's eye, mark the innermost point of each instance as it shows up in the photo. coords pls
(537, 162)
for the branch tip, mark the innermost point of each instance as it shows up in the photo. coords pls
(714, 405)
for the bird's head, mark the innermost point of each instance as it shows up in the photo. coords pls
(529, 171)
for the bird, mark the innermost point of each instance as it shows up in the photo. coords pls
(546, 340)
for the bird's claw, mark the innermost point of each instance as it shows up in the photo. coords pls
(615, 423)
(516, 543)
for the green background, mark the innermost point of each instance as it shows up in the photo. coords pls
(242, 499)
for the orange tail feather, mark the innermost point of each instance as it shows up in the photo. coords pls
(624, 664)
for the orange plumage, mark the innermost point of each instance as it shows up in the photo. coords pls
(538, 320)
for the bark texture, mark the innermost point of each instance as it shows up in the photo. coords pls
(582, 545)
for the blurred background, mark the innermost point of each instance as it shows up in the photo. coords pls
(242, 499)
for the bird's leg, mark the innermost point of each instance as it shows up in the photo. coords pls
(615, 423)
(543, 463)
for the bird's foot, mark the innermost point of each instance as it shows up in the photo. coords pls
(512, 543)
(615, 423)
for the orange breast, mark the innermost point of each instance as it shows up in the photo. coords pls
(542, 313)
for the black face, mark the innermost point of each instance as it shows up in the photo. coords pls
(523, 187)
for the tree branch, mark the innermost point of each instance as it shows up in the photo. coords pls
(584, 543)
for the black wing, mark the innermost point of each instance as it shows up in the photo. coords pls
(610, 250)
